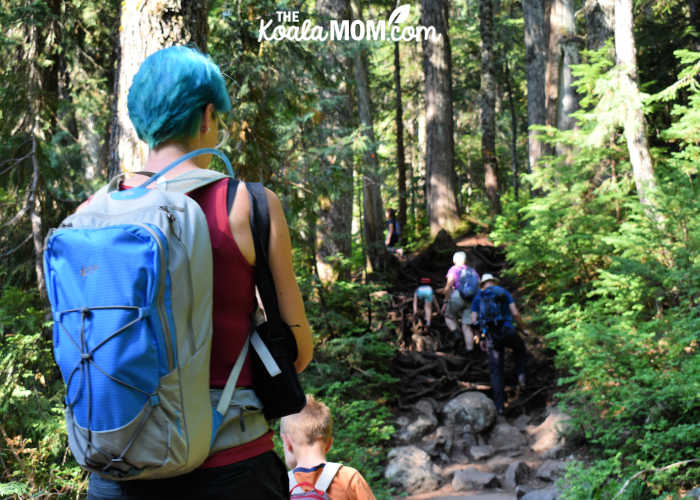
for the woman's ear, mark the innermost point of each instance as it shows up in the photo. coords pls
(207, 118)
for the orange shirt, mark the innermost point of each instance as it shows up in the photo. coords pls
(348, 483)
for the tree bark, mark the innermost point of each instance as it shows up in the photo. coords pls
(371, 181)
(600, 22)
(400, 152)
(514, 131)
(634, 120)
(488, 105)
(440, 174)
(535, 58)
(567, 99)
(146, 27)
(336, 201)
(694, 8)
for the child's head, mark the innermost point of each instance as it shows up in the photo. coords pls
(311, 428)
(459, 258)
(425, 281)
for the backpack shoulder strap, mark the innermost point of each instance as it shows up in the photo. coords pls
(260, 227)
(326, 477)
(292, 481)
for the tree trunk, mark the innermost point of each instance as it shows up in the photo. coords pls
(600, 22)
(634, 120)
(567, 99)
(488, 105)
(371, 182)
(400, 153)
(535, 58)
(440, 174)
(146, 27)
(336, 202)
(694, 8)
(514, 131)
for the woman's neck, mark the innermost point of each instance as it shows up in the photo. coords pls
(165, 154)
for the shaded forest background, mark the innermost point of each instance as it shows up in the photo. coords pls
(567, 130)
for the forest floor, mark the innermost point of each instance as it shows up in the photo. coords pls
(433, 363)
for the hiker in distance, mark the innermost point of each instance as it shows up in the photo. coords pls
(393, 232)
(175, 103)
(461, 287)
(494, 310)
(425, 293)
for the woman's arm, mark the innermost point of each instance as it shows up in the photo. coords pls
(288, 295)
(448, 287)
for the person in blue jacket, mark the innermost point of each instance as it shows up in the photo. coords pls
(493, 310)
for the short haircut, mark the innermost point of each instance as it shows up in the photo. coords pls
(312, 424)
(169, 92)
(459, 258)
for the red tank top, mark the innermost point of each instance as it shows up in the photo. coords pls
(234, 303)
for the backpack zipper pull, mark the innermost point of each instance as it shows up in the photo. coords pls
(172, 220)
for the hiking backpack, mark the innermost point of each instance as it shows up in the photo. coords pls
(319, 489)
(467, 283)
(130, 282)
(493, 311)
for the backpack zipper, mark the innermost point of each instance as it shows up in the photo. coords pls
(161, 292)
(172, 220)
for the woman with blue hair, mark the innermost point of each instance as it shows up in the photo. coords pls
(173, 104)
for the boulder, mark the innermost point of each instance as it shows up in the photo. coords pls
(438, 442)
(426, 406)
(522, 422)
(522, 490)
(411, 470)
(473, 410)
(506, 437)
(550, 493)
(473, 479)
(420, 426)
(517, 474)
(412, 427)
(549, 434)
(551, 470)
(480, 452)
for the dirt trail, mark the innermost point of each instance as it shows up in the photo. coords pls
(432, 363)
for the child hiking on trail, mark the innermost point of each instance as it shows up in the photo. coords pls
(307, 436)
(494, 310)
(461, 287)
(425, 293)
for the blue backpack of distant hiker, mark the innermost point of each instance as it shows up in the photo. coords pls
(130, 281)
(493, 311)
(467, 283)
(318, 490)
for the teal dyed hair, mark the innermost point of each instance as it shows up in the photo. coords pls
(170, 91)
